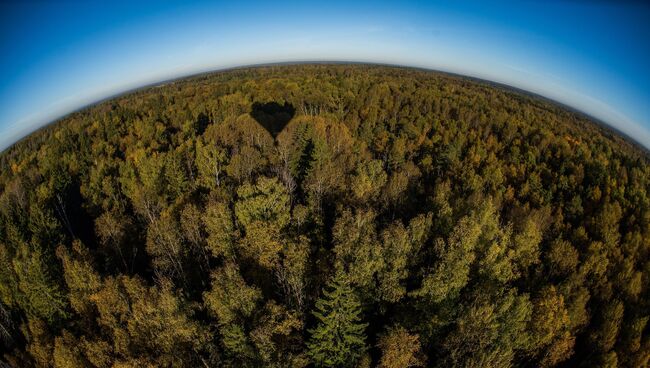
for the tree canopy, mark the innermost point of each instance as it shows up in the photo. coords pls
(325, 216)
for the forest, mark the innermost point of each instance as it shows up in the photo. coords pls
(325, 215)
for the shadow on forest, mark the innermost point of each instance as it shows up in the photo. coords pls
(272, 116)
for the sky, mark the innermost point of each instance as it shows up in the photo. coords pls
(58, 56)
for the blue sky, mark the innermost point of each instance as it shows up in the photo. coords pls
(58, 56)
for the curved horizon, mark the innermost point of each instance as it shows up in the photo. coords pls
(183, 77)
(587, 55)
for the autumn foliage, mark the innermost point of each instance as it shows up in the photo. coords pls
(389, 217)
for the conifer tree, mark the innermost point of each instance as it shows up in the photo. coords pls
(339, 338)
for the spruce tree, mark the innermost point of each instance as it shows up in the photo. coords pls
(339, 338)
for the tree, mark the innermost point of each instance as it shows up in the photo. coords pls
(400, 349)
(399, 244)
(40, 292)
(112, 229)
(266, 201)
(220, 229)
(231, 298)
(292, 271)
(277, 339)
(263, 212)
(147, 325)
(357, 249)
(7, 328)
(562, 258)
(232, 301)
(176, 183)
(549, 328)
(506, 252)
(143, 182)
(193, 231)
(490, 330)
(164, 244)
(338, 339)
(67, 351)
(80, 277)
(368, 181)
(210, 162)
(452, 271)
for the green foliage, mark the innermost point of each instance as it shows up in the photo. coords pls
(210, 163)
(266, 201)
(219, 226)
(263, 211)
(231, 298)
(489, 333)
(368, 180)
(338, 340)
(357, 249)
(399, 244)
(452, 271)
(40, 294)
(465, 225)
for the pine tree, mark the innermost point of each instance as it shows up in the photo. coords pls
(339, 338)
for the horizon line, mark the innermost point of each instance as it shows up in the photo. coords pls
(593, 119)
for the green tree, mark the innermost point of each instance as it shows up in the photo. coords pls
(263, 212)
(399, 245)
(210, 162)
(490, 331)
(220, 229)
(232, 301)
(231, 298)
(357, 249)
(40, 292)
(368, 181)
(338, 340)
(266, 201)
(164, 244)
(456, 255)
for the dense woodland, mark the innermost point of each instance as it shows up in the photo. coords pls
(325, 216)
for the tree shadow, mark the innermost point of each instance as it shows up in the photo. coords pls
(273, 116)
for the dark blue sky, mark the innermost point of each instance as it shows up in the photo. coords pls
(59, 56)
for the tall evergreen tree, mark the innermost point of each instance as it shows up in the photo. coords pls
(339, 338)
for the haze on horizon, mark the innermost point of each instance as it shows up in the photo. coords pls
(589, 55)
